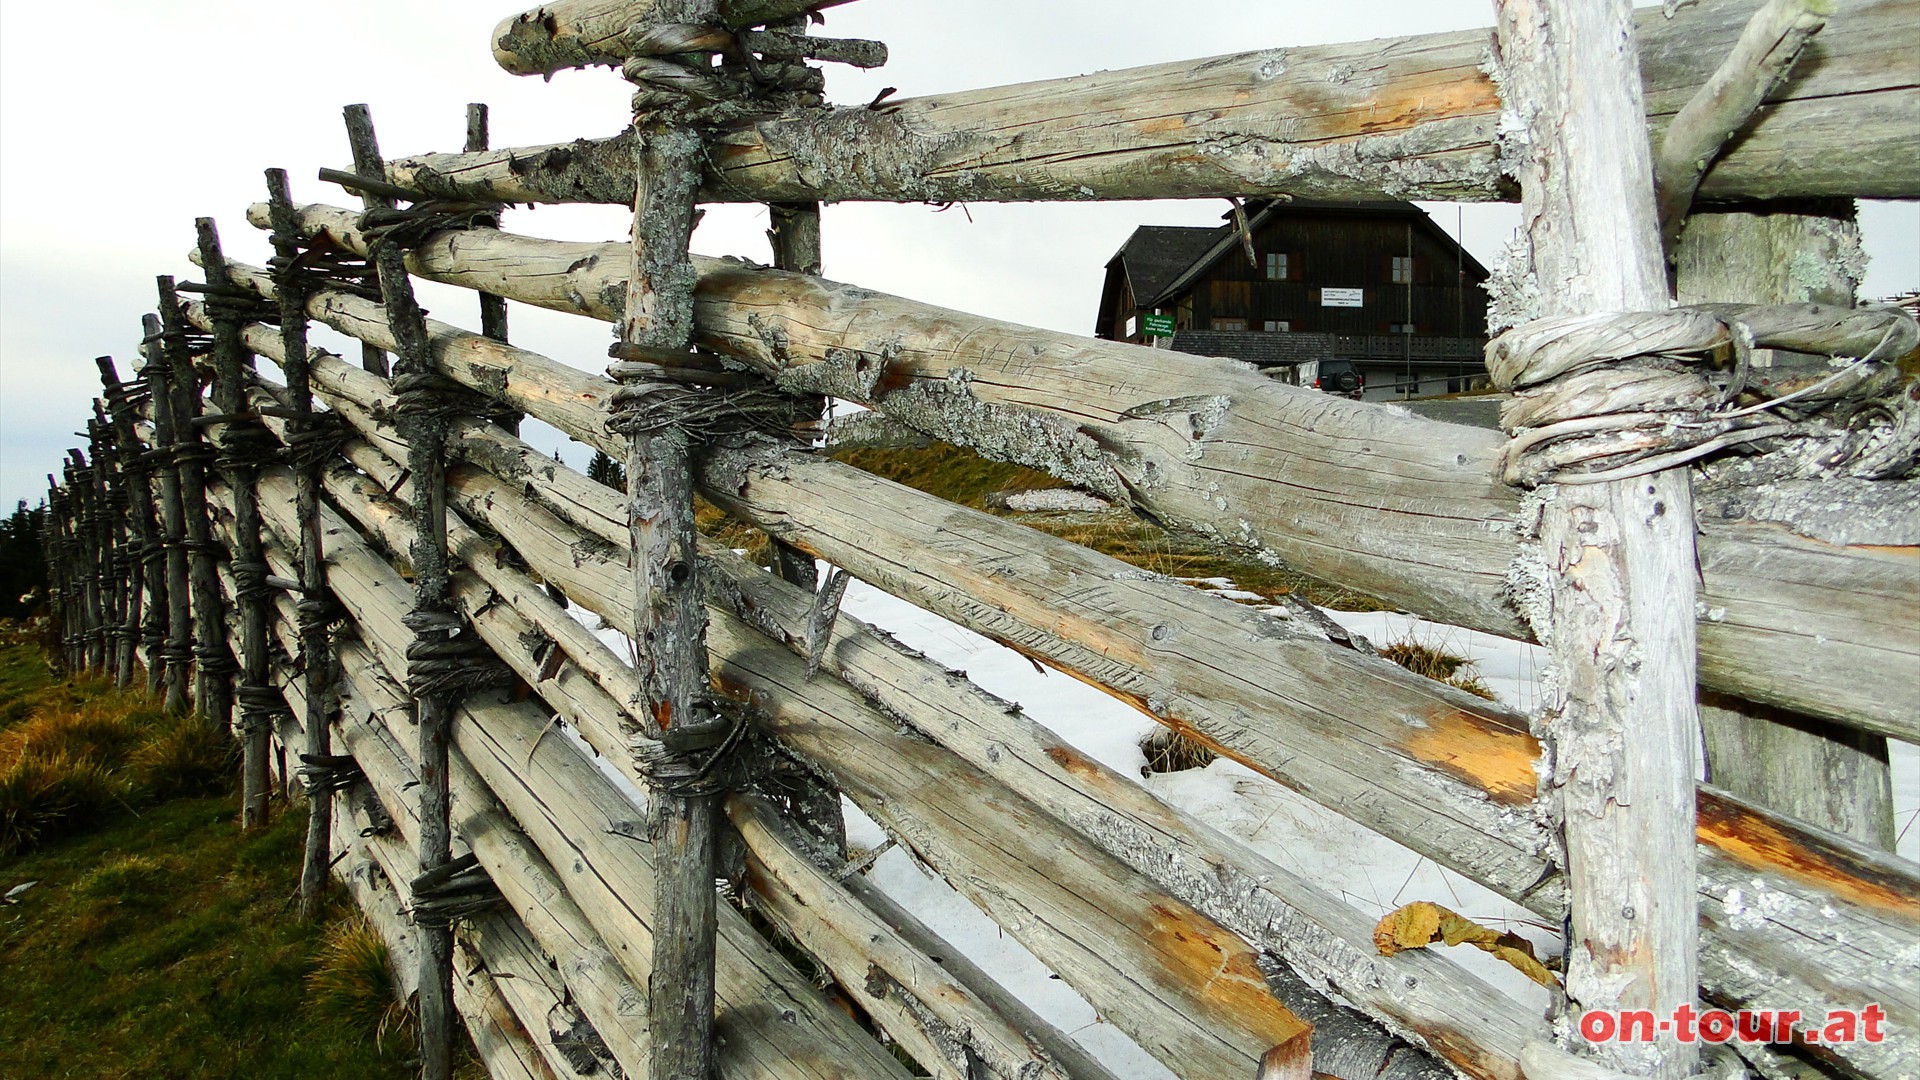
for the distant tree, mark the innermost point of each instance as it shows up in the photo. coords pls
(604, 470)
(23, 563)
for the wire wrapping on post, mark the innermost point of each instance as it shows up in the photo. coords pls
(449, 893)
(1611, 396)
(450, 666)
(324, 774)
(261, 707)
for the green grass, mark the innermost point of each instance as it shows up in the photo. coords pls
(159, 940)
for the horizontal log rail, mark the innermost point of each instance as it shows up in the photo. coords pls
(1398, 506)
(1411, 118)
(1212, 1016)
(1744, 962)
(774, 1024)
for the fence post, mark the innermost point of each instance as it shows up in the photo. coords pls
(146, 619)
(120, 583)
(243, 445)
(440, 660)
(213, 661)
(309, 443)
(178, 650)
(1617, 557)
(64, 594)
(669, 622)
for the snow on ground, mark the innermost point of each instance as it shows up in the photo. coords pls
(1369, 871)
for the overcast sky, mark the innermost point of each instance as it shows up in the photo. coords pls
(122, 120)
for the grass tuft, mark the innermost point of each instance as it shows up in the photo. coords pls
(352, 986)
(48, 795)
(1169, 751)
(183, 757)
(1439, 665)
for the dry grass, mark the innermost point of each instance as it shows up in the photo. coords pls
(1439, 665)
(78, 751)
(352, 986)
(1168, 751)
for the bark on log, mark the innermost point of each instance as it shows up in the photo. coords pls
(1778, 953)
(583, 33)
(1398, 506)
(1412, 118)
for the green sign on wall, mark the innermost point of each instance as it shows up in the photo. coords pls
(1157, 325)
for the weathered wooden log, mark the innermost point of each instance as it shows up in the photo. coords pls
(178, 649)
(831, 510)
(1399, 506)
(302, 433)
(775, 1026)
(213, 661)
(665, 620)
(240, 453)
(583, 33)
(584, 702)
(902, 965)
(1756, 65)
(1140, 994)
(1404, 118)
(146, 621)
(1809, 769)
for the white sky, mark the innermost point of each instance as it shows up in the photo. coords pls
(121, 120)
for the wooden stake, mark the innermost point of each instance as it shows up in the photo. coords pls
(179, 645)
(425, 434)
(1619, 562)
(146, 616)
(367, 163)
(669, 623)
(315, 648)
(1810, 769)
(240, 446)
(213, 662)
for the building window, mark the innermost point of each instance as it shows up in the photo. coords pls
(1276, 266)
(1400, 328)
(1133, 325)
(1277, 326)
(1229, 324)
(1403, 269)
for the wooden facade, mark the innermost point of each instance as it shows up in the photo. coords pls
(1375, 282)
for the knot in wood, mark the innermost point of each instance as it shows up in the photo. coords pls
(1615, 395)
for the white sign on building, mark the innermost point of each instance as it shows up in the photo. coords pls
(1342, 297)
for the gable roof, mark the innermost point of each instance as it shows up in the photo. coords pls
(1209, 246)
(1156, 254)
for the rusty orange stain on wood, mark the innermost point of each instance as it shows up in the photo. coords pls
(1203, 955)
(1492, 757)
(1156, 125)
(1074, 763)
(1763, 844)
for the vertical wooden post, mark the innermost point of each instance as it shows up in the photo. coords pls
(59, 569)
(669, 624)
(433, 618)
(368, 163)
(110, 534)
(93, 515)
(147, 570)
(305, 439)
(1619, 556)
(213, 661)
(1814, 770)
(493, 309)
(178, 649)
(243, 443)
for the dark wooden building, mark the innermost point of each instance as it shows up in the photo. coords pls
(1378, 283)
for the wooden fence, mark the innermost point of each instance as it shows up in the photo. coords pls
(361, 567)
